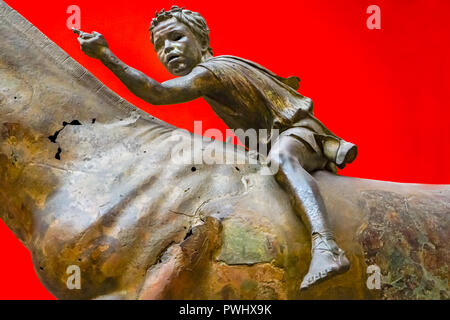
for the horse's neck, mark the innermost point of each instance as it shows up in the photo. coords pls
(49, 104)
(34, 68)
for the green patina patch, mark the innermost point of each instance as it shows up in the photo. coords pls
(245, 244)
(411, 259)
(248, 285)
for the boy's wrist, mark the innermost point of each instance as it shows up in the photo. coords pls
(109, 59)
(105, 55)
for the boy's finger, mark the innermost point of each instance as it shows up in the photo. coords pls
(85, 35)
(81, 34)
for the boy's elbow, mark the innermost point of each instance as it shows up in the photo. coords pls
(154, 95)
(155, 102)
(156, 99)
(151, 99)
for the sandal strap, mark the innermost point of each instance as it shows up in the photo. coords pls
(320, 241)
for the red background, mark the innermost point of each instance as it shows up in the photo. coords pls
(385, 90)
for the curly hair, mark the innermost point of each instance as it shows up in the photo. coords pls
(193, 20)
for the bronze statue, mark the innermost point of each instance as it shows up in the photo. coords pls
(244, 95)
(87, 182)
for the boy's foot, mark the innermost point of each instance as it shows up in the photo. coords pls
(346, 154)
(327, 260)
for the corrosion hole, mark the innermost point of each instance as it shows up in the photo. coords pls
(58, 154)
(15, 98)
(193, 169)
(73, 123)
(188, 234)
(237, 168)
(93, 120)
(54, 136)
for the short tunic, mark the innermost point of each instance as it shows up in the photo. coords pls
(252, 97)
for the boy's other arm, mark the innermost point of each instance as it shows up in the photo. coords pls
(197, 83)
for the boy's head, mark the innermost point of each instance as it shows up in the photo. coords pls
(180, 38)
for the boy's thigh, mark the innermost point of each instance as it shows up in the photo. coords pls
(294, 146)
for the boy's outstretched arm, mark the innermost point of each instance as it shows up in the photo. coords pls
(183, 89)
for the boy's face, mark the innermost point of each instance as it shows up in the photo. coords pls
(177, 47)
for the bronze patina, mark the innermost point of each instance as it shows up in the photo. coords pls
(86, 180)
(246, 96)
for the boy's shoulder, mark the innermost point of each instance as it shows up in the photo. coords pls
(232, 61)
(227, 65)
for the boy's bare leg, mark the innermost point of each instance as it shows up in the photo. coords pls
(293, 157)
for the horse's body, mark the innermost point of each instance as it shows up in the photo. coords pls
(87, 179)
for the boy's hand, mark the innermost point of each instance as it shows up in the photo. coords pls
(94, 45)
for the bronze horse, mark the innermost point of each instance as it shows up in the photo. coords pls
(86, 179)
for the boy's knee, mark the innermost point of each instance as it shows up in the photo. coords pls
(282, 158)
